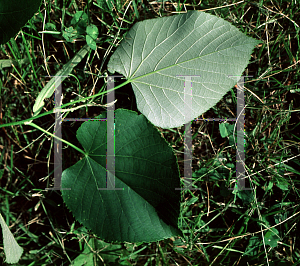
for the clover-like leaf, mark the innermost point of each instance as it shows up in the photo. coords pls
(226, 129)
(79, 21)
(157, 54)
(147, 208)
(92, 35)
(70, 34)
(13, 16)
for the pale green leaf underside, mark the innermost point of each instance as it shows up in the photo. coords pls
(12, 250)
(155, 51)
(147, 209)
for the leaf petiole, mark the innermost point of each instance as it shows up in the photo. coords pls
(28, 121)
(62, 140)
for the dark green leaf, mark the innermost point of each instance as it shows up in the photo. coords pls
(145, 166)
(14, 14)
(271, 237)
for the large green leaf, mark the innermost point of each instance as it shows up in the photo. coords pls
(13, 16)
(155, 51)
(147, 208)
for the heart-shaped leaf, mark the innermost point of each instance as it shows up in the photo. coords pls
(13, 16)
(147, 208)
(155, 52)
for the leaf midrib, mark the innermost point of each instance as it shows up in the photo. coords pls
(156, 71)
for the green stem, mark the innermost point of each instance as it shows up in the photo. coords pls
(75, 147)
(64, 105)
